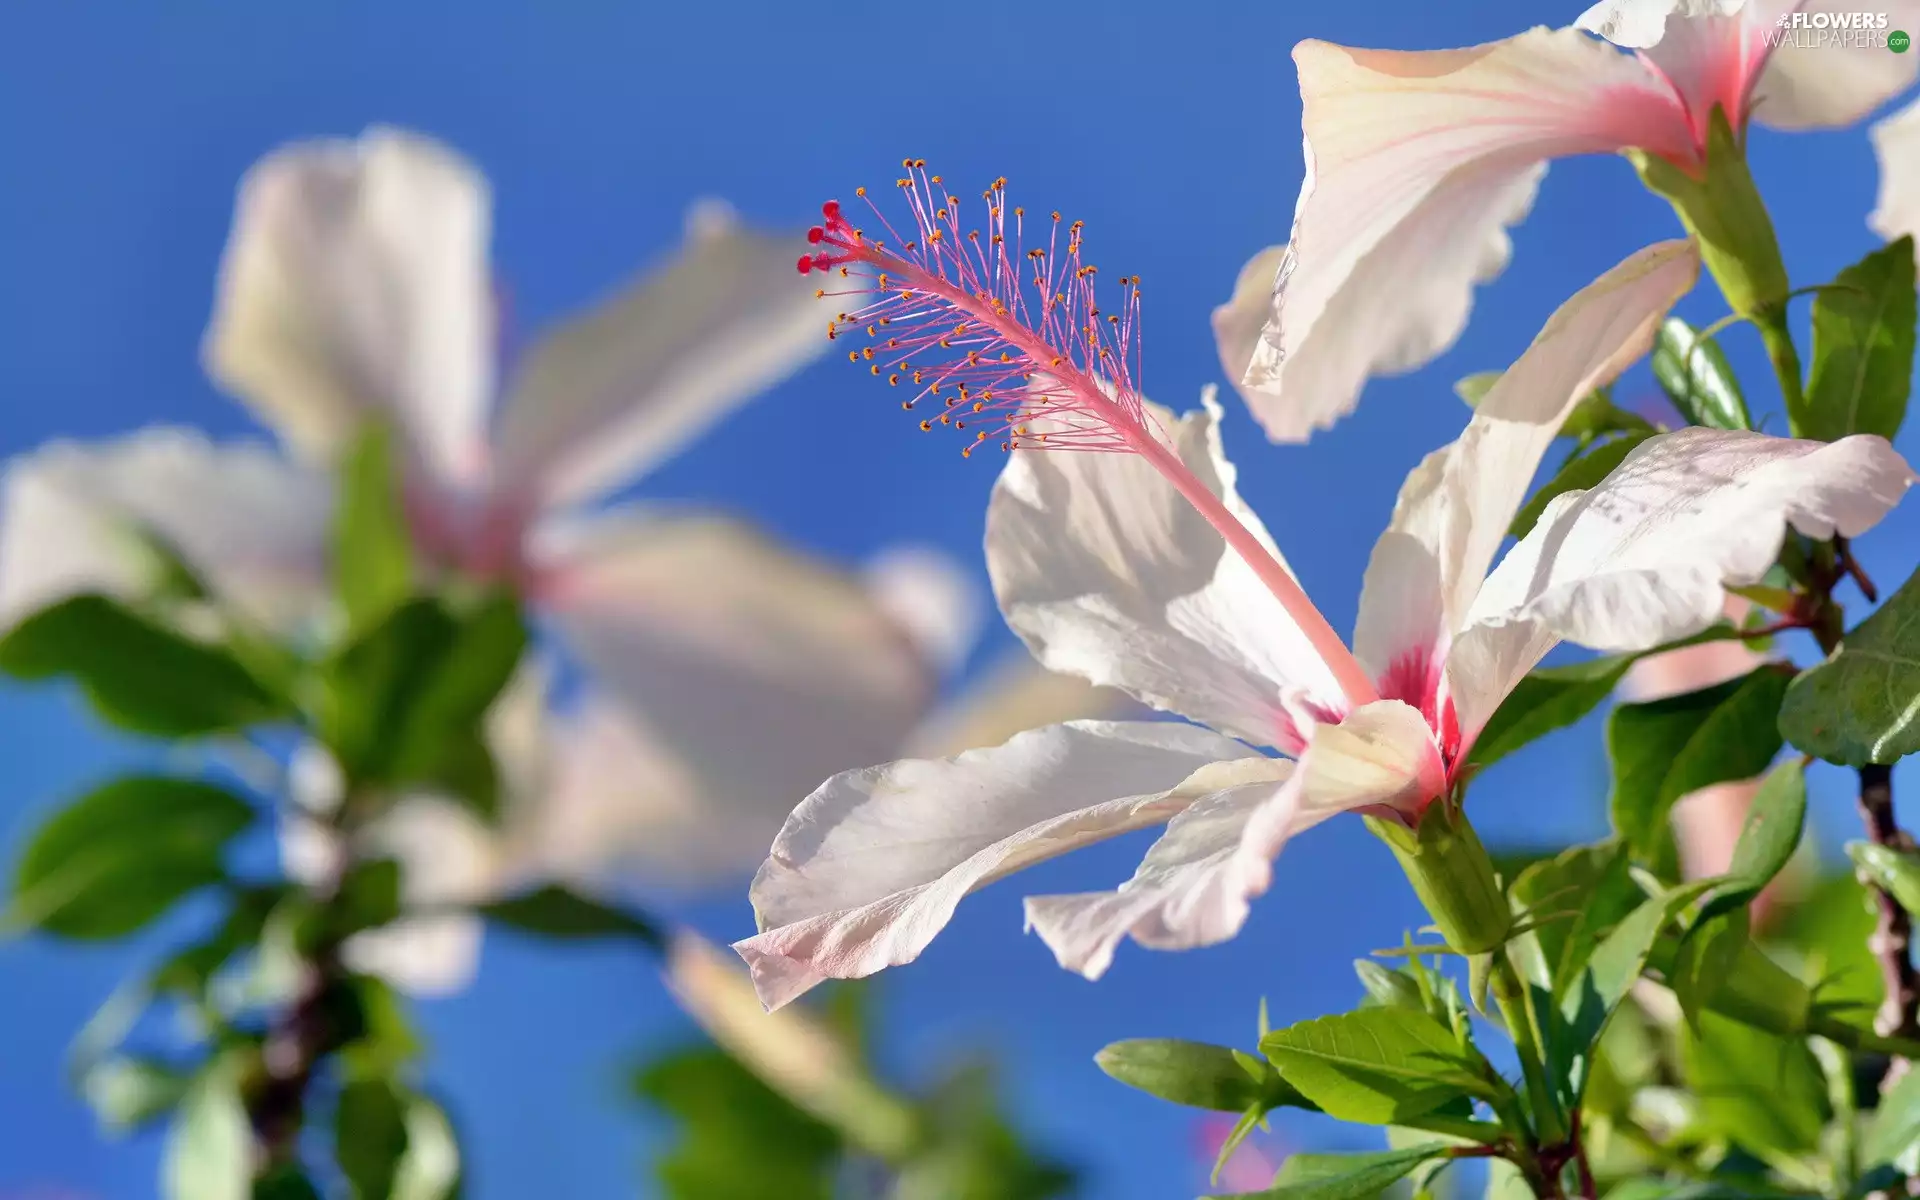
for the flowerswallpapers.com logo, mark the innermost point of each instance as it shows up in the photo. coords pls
(1820, 30)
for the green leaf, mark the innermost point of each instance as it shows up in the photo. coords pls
(556, 912)
(1387, 987)
(370, 1136)
(1586, 1002)
(1196, 1074)
(138, 675)
(405, 702)
(1345, 1176)
(372, 546)
(1863, 332)
(372, 1022)
(1664, 749)
(430, 1169)
(285, 1182)
(1858, 707)
(1571, 900)
(209, 1147)
(1695, 375)
(1582, 470)
(130, 1091)
(1893, 1136)
(739, 1139)
(123, 854)
(1376, 1065)
(1762, 1091)
(1705, 958)
(1767, 839)
(1545, 700)
(1894, 872)
(369, 897)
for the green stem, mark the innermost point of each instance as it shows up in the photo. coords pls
(1771, 321)
(1511, 996)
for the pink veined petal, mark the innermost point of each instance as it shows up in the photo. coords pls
(1710, 51)
(1107, 573)
(746, 672)
(1196, 884)
(354, 286)
(870, 867)
(1643, 557)
(613, 393)
(1417, 163)
(1456, 506)
(1828, 86)
(1896, 146)
(252, 525)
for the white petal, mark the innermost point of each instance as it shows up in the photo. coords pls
(355, 284)
(76, 518)
(1455, 508)
(1417, 163)
(741, 674)
(1832, 85)
(1012, 695)
(612, 394)
(1896, 144)
(870, 867)
(434, 955)
(1196, 883)
(1643, 24)
(932, 598)
(1643, 557)
(1107, 573)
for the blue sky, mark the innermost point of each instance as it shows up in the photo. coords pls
(1172, 130)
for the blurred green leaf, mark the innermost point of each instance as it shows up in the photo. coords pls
(139, 675)
(1376, 1065)
(369, 897)
(285, 1182)
(1695, 375)
(377, 1038)
(128, 1091)
(1664, 749)
(739, 1139)
(372, 547)
(1857, 707)
(209, 1147)
(370, 1136)
(1762, 1091)
(556, 912)
(405, 702)
(1893, 1135)
(1863, 334)
(1196, 1074)
(1892, 871)
(123, 854)
(1345, 1176)
(430, 1169)
(1585, 468)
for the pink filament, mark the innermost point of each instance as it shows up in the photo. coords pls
(1046, 370)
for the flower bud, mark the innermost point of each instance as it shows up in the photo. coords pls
(1452, 875)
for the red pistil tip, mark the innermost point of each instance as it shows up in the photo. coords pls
(960, 305)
